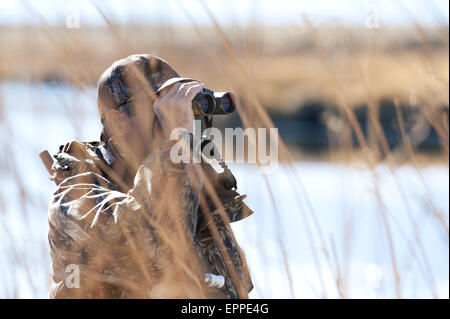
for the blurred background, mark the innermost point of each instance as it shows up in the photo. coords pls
(359, 92)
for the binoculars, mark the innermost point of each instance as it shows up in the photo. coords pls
(208, 103)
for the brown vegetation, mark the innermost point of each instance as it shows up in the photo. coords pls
(276, 68)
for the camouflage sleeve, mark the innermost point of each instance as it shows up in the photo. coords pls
(118, 241)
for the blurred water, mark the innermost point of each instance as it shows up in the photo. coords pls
(229, 12)
(341, 197)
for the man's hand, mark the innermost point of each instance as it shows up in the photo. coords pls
(173, 108)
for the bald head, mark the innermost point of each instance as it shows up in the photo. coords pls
(129, 77)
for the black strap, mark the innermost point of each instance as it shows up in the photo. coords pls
(208, 121)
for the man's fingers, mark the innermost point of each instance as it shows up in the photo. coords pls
(184, 88)
(173, 108)
(182, 92)
(193, 91)
(170, 91)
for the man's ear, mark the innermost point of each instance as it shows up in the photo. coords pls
(117, 122)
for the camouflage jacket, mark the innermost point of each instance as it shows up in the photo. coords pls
(105, 228)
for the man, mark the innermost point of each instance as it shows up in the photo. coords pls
(127, 222)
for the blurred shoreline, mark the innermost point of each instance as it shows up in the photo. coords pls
(304, 132)
(286, 73)
(284, 64)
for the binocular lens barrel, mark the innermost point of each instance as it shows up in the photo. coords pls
(212, 103)
(204, 103)
(224, 103)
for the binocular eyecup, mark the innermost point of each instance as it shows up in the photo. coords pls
(213, 103)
